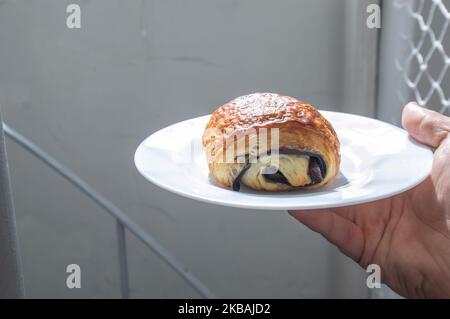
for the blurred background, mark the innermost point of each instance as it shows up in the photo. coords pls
(89, 96)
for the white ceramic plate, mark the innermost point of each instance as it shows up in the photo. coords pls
(379, 160)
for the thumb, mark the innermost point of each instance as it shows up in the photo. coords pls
(426, 126)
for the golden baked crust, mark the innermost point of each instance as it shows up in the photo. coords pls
(301, 128)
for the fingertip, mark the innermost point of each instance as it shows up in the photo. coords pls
(426, 126)
(307, 216)
(295, 213)
(412, 116)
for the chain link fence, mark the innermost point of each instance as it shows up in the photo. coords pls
(424, 65)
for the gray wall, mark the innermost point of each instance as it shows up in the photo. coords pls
(90, 96)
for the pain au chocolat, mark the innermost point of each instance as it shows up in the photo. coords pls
(270, 142)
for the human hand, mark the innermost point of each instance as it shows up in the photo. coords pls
(407, 235)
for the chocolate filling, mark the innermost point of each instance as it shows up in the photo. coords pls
(316, 169)
(237, 180)
(278, 177)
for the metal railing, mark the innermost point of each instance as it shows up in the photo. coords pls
(123, 222)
